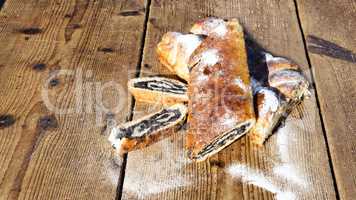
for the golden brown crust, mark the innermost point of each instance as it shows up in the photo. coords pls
(174, 51)
(277, 64)
(220, 96)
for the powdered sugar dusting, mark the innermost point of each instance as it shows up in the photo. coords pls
(114, 139)
(241, 84)
(270, 58)
(282, 142)
(189, 42)
(220, 30)
(228, 120)
(210, 57)
(285, 196)
(216, 26)
(158, 168)
(270, 102)
(201, 78)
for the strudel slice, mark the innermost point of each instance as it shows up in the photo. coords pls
(160, 90)
(287, 78)
(149, 129)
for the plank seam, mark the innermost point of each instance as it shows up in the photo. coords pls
(120, 185)
(317, 102)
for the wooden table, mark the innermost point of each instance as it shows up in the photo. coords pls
(62, 62)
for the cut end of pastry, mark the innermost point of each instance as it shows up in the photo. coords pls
(287, 77)
(147, 130)
(270, 106)
(219, 143)
(174, 51)
(160, 90)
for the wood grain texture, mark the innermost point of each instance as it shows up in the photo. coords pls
(162, 171)
(83, 52)
(334, 67)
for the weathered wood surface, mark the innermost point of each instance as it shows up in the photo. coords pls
(329, 28)
(45, 154)
(294, 161)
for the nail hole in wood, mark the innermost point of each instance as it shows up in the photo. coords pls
(130, 13)
(47, 122)
(30, 31)
(106, 50)
(39, 66)
(6, 120)
(53, 82)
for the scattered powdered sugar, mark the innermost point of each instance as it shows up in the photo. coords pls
(285, 196)
(220, 30)
(210, 57)
(290, 173)
(287, 170)
(158, 168)
(282, 144)
(270, 101)
(114, 139)
(144, 189)
(251, 176)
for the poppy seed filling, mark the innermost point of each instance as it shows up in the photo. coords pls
(151, 124)
(162, 86)
(224, 140)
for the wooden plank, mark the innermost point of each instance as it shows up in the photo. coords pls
(330, 28)
(294, 162)
(83, 51)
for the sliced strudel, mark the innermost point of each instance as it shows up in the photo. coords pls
(149, 129)
(270, 107)
(220, 98)
(158, 90)
(287, 88)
